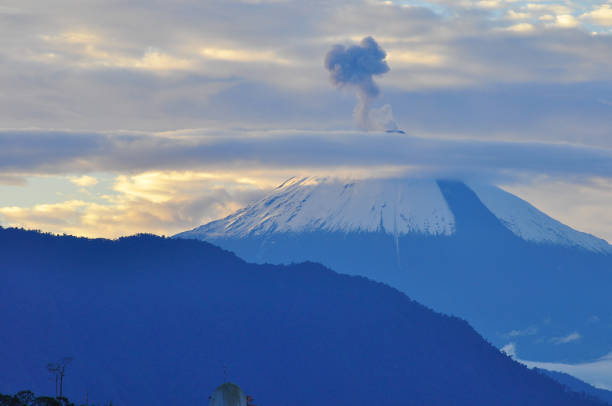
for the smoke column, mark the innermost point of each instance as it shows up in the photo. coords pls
(355, 67)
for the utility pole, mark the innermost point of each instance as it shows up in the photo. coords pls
(59, 370)
(63, 363)
(54, 369)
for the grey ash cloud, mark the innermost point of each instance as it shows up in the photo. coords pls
(355, 66)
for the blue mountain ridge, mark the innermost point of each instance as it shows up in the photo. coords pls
(508, 288)
(577, 385)
(153, 321)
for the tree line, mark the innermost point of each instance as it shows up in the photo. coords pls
(28, 398)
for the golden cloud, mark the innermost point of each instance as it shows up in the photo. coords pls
(92, 51)
(566, 21)
(242, 55)
(601, 15)
(84, 181)
(404, 57)
(156, 202)
(521, 27)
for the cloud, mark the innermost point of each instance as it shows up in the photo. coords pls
(88, 50)
(521, 27)
(65, 152)
(13, 180)
(520, 333)
(156, 202)
(509, 349)
(575, 336)
(514, 15)
(84, 181)
(243, 55)
(566, 21)
(593, 319)
(355, 66)
(598, 372)
(414, 57)
(550, 7)
(601, 15)
(9, 10)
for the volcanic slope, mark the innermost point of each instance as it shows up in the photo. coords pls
(471, 249)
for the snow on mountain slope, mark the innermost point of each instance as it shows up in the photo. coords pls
(395, 206)
(530, 224)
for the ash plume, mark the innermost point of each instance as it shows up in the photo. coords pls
(354, 67)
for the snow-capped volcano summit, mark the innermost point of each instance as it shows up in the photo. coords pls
(467, 249)
(392, 206)
(309, 204)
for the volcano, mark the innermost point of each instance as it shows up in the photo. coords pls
(462, 248)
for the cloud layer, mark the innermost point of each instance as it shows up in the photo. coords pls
(598, 372)
(68, 152)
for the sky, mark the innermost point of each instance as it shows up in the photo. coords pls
(119, 117)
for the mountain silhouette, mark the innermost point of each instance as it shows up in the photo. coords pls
(151, 320)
